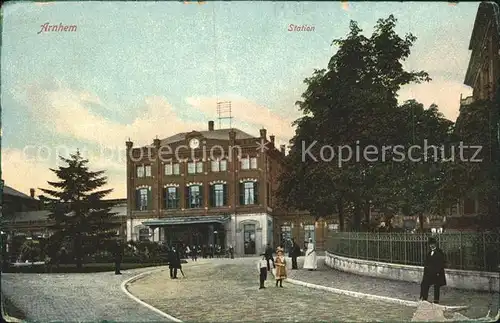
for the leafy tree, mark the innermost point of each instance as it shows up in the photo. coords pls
(352, 103)
(77, 208)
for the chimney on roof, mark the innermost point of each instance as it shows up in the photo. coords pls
(129, 144)
(282, 148)
(263, 133)
(156, 143)
(32, 193)
(210, 126)
(271, 137)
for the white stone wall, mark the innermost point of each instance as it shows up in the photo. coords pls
(134, 225)
(461, 279)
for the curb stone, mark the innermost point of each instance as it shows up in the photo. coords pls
(369, 296)
(133, 279)
(5, 315)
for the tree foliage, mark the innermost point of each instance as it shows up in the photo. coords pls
(353, 103)
(76, 206)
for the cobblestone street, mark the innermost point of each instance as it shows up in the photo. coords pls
(227, 290)
(478, 302)
(75, 297)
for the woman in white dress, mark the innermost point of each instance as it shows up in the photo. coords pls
(310, 261)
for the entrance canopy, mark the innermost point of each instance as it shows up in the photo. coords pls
(186, 220)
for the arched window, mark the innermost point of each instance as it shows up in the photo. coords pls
(249, 193)
(171, 196)
(143, 200)
(218, 195)
(194, 197)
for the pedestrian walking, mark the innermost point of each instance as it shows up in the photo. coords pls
(118, 256)
(310, 260)
(433, 272)
(231, 251)
(262, 266)
(269, 257)
(174, 262)
(194, 254)
(280, 264)
(294, 254)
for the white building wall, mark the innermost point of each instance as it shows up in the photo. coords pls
(236, 226)
(134, 225)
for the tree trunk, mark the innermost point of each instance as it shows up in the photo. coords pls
(340, 206)
(356, 219)
(421, 222)
(367, 212)
(78, 251)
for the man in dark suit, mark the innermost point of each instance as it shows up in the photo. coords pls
(294, 253)
(174, 262)
(269, 256)
(118, 256)
(433, 272)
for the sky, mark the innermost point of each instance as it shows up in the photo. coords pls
(144, 69)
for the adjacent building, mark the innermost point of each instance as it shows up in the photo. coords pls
(23, 215)
(482, 76)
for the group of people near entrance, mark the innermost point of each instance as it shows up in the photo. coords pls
(280, 264)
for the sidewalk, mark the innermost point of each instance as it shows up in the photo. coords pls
(479, 302)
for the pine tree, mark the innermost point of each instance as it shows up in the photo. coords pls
(76, 206)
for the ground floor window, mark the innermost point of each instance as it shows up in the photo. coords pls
(309, 233)
(249, 237)
(144, 234)
(286, 237)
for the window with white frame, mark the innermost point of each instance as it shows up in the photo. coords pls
(172, 169)
(253, 163)
(143, 195)
(169, 169)
(140, 171)
(199, 167)
(245, 163)
(309, 232)
(215, 166)
(333, 227)
(144, 234)
(194, 197)
(147, 170)
(223, 165)
(218, 195)
(248, 193)
(219, 165)
(172, 198)
(191, 168)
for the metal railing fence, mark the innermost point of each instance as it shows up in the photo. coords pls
(466, 251)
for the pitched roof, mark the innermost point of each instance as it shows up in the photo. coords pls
(7, 190)
(27, 216)
(218, 134)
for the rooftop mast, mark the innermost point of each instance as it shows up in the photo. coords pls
(224, 113)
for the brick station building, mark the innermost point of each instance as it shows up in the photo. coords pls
(200, 198)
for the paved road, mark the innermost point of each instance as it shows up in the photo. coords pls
(479, 302)
(75, 297)
(227, 290)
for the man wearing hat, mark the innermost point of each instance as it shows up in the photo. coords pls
(433, 272)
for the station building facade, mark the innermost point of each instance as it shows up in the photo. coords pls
(212, 187)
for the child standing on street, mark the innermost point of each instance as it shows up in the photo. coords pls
(262, 266)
